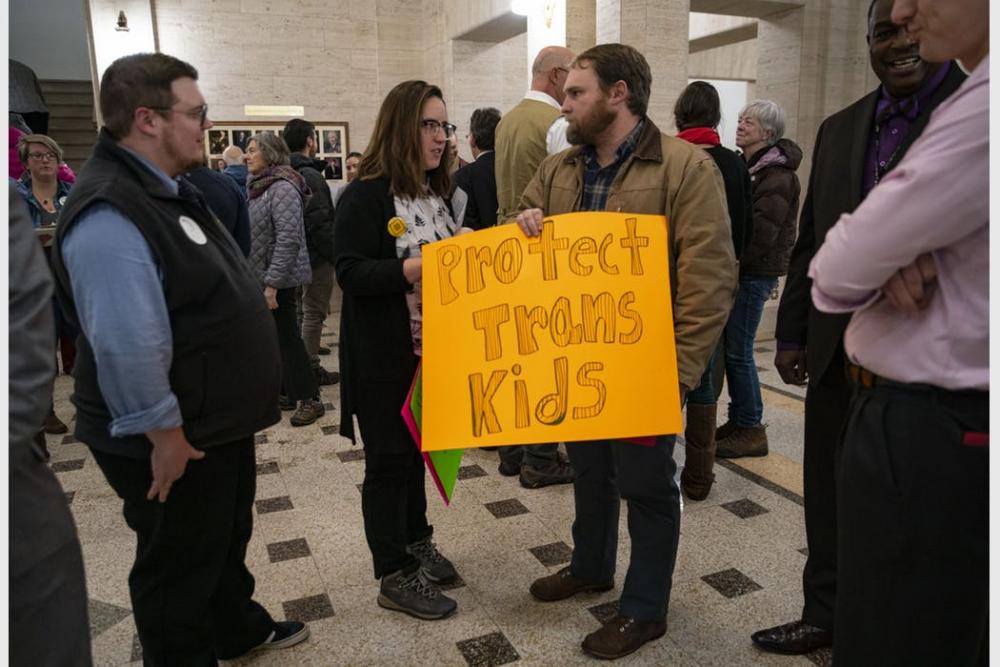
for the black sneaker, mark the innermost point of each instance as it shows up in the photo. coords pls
(285, 634)
(436, 567)
(508, 469)
(413, 594)
(325, 378)
(309, 411)
(557, 472)
(285, 403)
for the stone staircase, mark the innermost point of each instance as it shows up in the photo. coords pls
(71, 118)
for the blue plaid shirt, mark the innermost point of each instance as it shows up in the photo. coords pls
(596, 179)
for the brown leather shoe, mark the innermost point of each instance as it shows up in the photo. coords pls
(795, 638)
(54, 425)
(621, 636)
(563, 584)
(743, 442)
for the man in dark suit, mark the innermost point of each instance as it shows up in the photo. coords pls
(474, 198)
(227, 200)
(855, 147)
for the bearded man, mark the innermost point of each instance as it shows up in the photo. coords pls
(626, 164)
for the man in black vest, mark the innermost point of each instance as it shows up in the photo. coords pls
(177, 366)
(855, 147)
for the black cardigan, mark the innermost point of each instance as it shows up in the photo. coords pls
(736, 178)
(376, 348)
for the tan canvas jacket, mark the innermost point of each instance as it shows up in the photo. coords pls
(665, 176)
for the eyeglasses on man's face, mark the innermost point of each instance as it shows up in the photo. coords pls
(41, 157)
(201, 112)
(432, 127)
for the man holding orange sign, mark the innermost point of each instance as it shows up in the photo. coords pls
(622, 162)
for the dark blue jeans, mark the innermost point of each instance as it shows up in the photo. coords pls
(745, 405)
(606, 471)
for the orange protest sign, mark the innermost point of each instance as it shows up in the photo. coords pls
(567, 336)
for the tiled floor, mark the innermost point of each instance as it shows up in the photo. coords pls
(738, 569)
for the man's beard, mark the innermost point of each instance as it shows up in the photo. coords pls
(591, 125)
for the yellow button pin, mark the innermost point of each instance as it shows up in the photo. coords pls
(396, 226)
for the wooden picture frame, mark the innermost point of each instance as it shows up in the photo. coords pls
(332, 142)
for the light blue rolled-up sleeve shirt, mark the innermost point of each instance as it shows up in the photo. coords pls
(118, 293)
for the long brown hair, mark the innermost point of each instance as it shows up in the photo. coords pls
(395, 149)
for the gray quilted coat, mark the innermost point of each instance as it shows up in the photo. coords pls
(278, 252)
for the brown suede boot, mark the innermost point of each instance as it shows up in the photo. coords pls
(699, 451)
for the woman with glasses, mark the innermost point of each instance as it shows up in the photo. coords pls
(396, 204)
(45, 192)
(279, 257)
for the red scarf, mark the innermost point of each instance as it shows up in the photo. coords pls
(700, 135)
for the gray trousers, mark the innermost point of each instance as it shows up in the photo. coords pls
(315, 308)
(606, 471)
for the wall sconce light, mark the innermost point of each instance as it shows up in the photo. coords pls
(122, 24)
(524, 7)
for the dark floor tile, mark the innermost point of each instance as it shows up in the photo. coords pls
(104, 616)
(69, 497)
(502, 509)
(311, 608)
(267, 468)
(351, 455)
(268, 505)
(604, 612)
(821, 656)
(136, 649)
(731, 583)
(69, 439)
(488, 651)
(556, 553)
(279, 551)
(67, 466)
(745, 508)
(471, 472)
(804, 551)
(330, 430)
(328, 406)
(458, 583)
(260, 438)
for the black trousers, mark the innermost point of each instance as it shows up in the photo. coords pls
(606, 471)
(297, 379)
(912, 513)
(48, 596)
(827, 403)
(394, 507)
(192, 594)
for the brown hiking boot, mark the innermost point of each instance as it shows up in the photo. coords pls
(743, 442)
(621, 636)
(308, 412)
(563, 584)
(725, 430)
(699, 451)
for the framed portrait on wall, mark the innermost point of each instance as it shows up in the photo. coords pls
(332, 142)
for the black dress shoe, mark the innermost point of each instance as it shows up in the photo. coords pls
(795, 638)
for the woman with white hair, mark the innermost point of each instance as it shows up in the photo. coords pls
(280, 259)
(772, 161)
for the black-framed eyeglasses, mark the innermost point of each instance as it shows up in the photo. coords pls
(432, 127)
(201, 113)
(44, 156)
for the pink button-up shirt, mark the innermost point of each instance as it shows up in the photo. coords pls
(936, 200)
